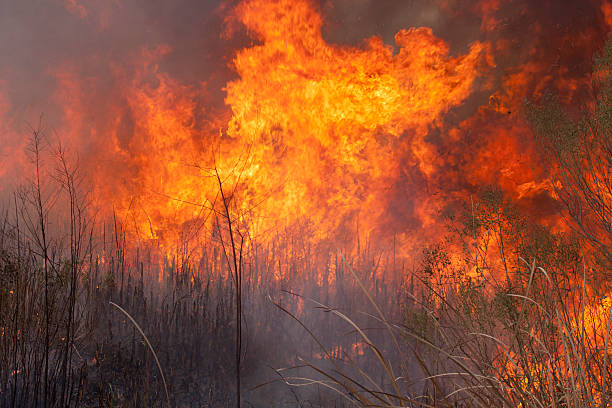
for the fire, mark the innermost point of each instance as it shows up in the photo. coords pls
(315, 140)
(367, 140)
(328, 127)
(606, 8)
(313, 131)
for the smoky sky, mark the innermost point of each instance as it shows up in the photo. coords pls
(37, 36)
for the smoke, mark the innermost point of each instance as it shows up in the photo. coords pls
(139, 88)
(141, 91)
(63, 59)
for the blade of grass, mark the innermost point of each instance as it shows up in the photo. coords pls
(150, 348)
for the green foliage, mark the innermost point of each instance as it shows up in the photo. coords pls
(473, 301)
(419, 321)
(522, 330)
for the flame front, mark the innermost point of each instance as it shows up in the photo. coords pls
(312, 132)
(371, 139)
(329, 128)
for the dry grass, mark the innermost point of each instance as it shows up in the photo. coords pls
(441, 335)
(535, 349)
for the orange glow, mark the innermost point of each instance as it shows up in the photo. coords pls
(606, 8)
(76, 8)
(12, 149)
(5, 143)
(359, 141)
(326, 125)
(315, 131)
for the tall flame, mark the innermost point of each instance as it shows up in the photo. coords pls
(374, 137)
(331, 126)
(315, 131)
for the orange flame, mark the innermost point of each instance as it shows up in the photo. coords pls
(315, 129)
(347, 140)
